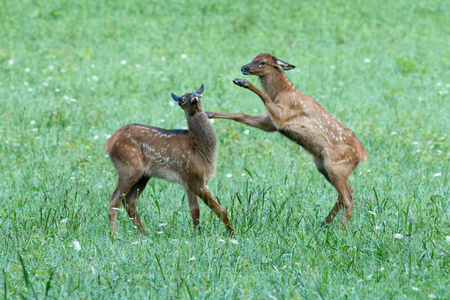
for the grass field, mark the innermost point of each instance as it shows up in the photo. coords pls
(72, 73)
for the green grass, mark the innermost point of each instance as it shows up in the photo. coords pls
(71, 73)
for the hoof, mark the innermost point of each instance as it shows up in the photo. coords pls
(241, 82)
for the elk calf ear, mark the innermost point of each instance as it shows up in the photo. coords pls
(176, 98)
(284, 65)
(200, 90)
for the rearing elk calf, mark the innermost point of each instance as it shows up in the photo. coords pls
(335, 148)
(186, 157)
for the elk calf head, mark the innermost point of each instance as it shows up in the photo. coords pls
(190, 102)
(263, 64)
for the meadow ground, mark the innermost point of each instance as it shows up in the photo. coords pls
(71, 73)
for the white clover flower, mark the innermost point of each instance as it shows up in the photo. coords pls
(45, 84)
(95, 78)
(222, 241)
(437, 174)
(246, 132)
(76, 245)
(415, 288)
(163, 224)
(27, 70)
(62, 71)
(367, 60)
(32, 122)
(171, 103)
(192, 258)
(443, 92)
(183, 56)
(394, 133)
(447, 239)
(10, 62)
(233, 241)
(63, 221)
(229, 175)
(123, 62)
(398, 236)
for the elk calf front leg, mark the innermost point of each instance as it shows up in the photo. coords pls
(244, 83)
(209, 200)
(277, 113)
(193, 207)
(263, 121)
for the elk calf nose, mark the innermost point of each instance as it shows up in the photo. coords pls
(244, 69)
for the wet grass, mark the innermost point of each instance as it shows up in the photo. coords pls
(73, 73)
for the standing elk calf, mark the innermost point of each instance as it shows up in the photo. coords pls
(186, 157)
(335, 148)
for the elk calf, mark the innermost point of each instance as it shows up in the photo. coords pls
(335, 148)
(186, 157)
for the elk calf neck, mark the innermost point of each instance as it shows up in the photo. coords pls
(335, 148)
(140, 152)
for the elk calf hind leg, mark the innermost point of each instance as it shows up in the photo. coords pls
(130, 203)
(336, 208)
(114, 203)
(124, 186)
(338, 177)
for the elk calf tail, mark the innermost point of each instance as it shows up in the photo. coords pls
(108, 145)
(363, 153)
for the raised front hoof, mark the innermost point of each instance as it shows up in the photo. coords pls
(241, 82)
(210, 114)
